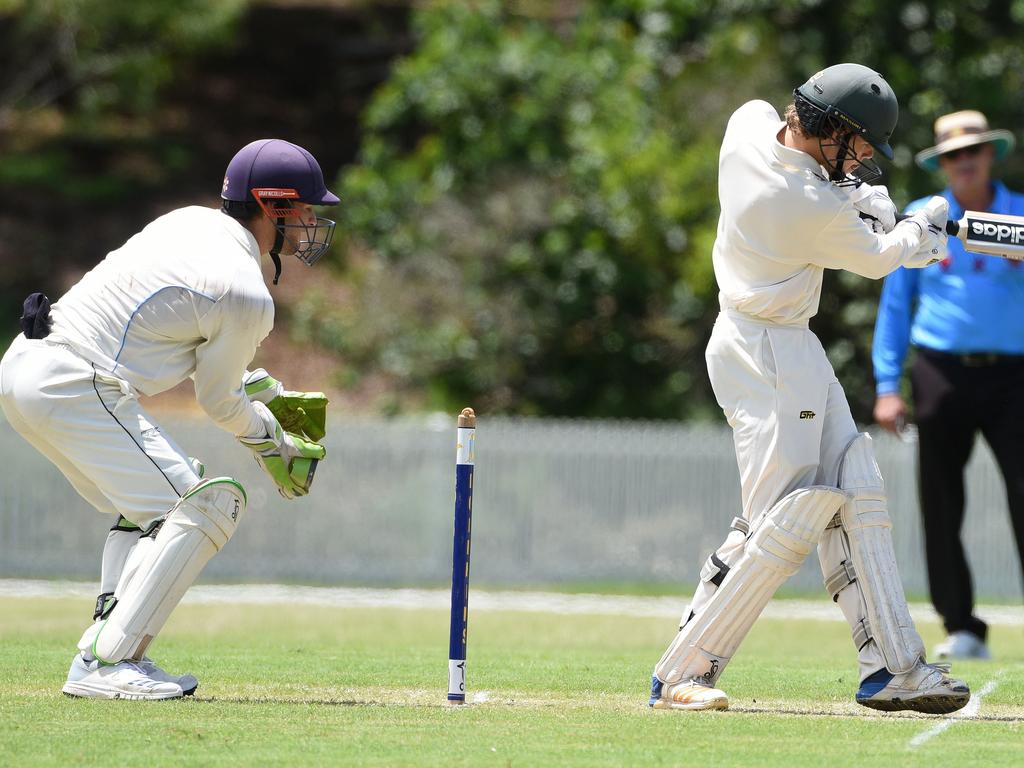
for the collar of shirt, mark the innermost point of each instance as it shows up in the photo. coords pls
(243, 236)
(1000, 201)
(794, 158)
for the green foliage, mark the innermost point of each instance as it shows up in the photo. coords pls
(98, 55)
(86, 75)
(535, 203)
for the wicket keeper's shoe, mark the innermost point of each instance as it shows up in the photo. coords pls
(124, 680)
(962, 645)
(686, 695)
(188, 683)
(926, 688)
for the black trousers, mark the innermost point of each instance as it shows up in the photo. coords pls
(954, 398)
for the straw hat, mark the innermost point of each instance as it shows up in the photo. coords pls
(959, 130)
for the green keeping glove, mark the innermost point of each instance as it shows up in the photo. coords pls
(303, 413)
(289, 459)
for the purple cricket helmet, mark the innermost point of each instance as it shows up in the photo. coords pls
(276, 164)
(272, 173)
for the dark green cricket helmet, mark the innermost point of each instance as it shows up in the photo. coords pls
(853, 97)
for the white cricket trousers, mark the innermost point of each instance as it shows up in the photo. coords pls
(789, 416)
(93, 429)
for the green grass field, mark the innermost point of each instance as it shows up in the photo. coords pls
(328, 686)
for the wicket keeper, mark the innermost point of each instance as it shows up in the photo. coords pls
(183, 298)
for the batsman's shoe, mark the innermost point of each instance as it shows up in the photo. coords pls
(124, 680)
(962, 645)
(926, 688)
(188, 683)
(686, 695)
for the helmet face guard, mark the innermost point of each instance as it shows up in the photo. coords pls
(309, 241)
(836, 130)
(846, 170)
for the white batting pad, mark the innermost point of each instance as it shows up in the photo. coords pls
(198, 526)
(717, 567)
(774, 551)
(870, 567)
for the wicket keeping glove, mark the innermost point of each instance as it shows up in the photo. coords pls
(302, 413)
(289, 459)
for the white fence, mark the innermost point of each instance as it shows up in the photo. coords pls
(555, 502)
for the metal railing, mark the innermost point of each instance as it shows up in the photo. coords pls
(554, 502)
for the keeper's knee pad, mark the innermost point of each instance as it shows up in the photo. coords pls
(165, 566)
(859, 563)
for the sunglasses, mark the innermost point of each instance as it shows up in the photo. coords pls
(969, 151)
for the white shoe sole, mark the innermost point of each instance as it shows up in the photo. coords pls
(692, 706)
(90, 691)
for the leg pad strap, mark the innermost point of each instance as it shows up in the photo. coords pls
(840, 579)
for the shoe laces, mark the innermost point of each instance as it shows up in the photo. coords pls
(147, 681)
(136, 666)
(697, 682)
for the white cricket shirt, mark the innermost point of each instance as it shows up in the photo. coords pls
(184, 297)
(783, 223)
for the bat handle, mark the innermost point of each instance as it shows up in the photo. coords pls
(952, 227)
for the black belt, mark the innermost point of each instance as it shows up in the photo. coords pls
(973, 359)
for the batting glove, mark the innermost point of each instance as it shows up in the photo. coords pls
(931, 220)
(289, 459)
(303, 413)
(875, 205)
(936, 211)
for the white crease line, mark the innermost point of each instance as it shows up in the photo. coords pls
(970, 710)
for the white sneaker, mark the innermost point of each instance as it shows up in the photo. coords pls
(926, 688)
(188, 683)
(124, 680)
(686, 695)
(962, 645)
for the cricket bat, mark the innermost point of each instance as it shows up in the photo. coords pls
(994, 234)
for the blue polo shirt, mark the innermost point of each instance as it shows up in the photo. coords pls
(965, 303)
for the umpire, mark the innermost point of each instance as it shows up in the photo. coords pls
(963, 316)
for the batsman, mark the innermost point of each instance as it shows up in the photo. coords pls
(183, 298)
(796, 199)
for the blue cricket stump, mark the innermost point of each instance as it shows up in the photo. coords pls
(464, 457)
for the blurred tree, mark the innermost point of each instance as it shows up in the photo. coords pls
(532, 215)
(112, 113)
(87, 70)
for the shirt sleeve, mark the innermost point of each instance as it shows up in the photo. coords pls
(892, 329)
(233, 329)
(848, 243)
